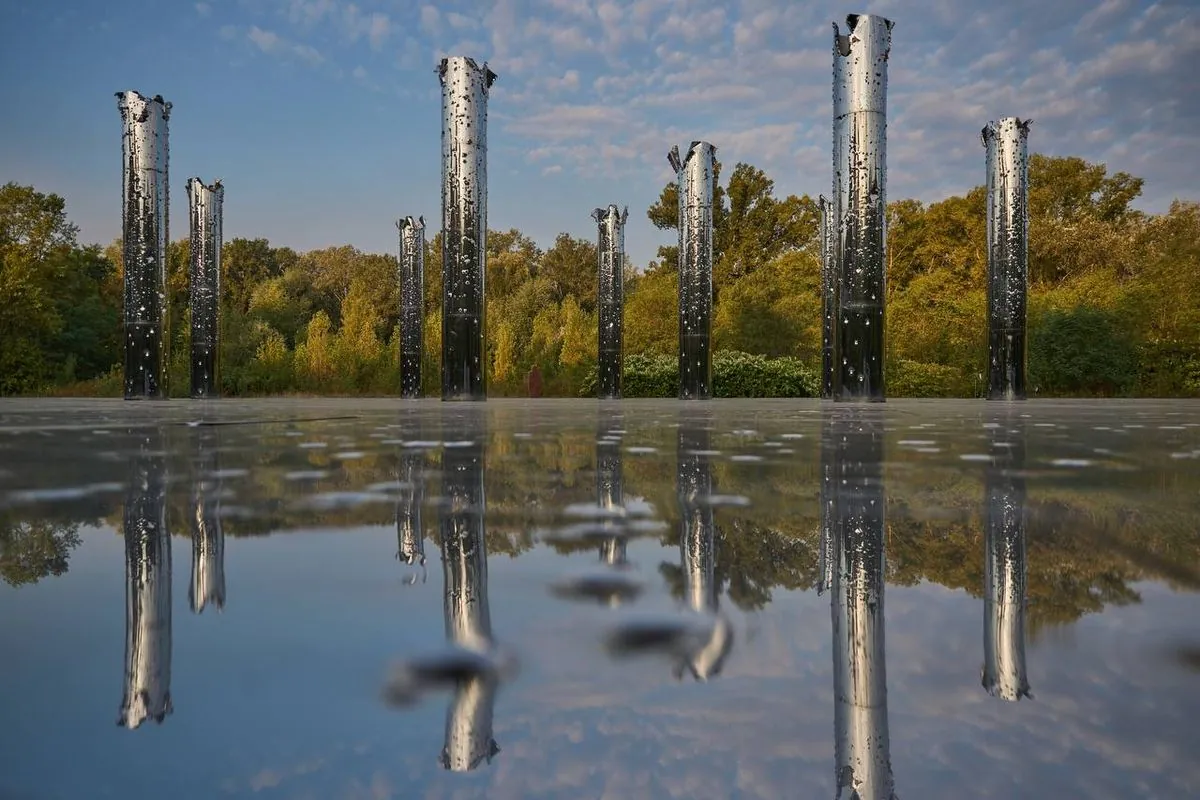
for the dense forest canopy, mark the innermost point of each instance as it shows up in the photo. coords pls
(1114, 297)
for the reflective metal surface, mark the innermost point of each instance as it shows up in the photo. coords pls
(696, 173)
(205, 205)
(145, 195)
(610, 303)
(1006, 142)
(207, 526)
(1004, 565)
(859, 203)
(412, 304)
(862, 751)
(635, 599)
(147, 588)
(829, 286)
(465, 86)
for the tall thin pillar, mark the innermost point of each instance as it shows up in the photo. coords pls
(1008, 254)
(147, 589)
(469, 740)
(205, 205)
(859, 203)
(144, 218)
(465, 87)
(862, 751)
(697, 545)
(828, 299)
(410, 524)
(697, 174)
(610, 302)
(1004, 567)
(609, 496)
(208, 535)
(412, 304)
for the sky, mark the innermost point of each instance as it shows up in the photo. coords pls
(323, 117)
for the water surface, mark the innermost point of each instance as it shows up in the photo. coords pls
(349, 598)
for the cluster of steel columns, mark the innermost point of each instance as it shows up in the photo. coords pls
(853, 244)
(853, 239)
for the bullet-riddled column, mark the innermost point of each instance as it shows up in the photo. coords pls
(828, 300)
(610, 253)
(204, 216)
(697, 545)
(465, 86)
(208, 535)
(859, 202)
(144, 198)
(412, 303)
(696, 179)
(864, 768)
(469, 740)
(147, 589)
(1008, 255)
(1004, 566)
(609, 496)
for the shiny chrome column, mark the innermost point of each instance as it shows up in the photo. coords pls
(859, 203)
(147, 588)
(610, 299)
(696, 174)
(829, 286)
(609, 496)
(1008, 254)
(1004, 594)
(144, 215)
(462, 531)
(208, 535)
(697, 545)
(864, 768)
(465, 86)
(204, 215)
(412, 303)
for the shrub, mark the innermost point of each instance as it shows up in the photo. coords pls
(735, 374)
(1082, 350)
(907, 378)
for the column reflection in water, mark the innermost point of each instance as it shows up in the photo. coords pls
(697, 175)
(144, 215)
(610, 253)
(829, 286)
(859, 202)
(410, 526)
(412, 304)
(205, 222)
(208, 537)
(1004, 597)
(828, 501)
(147, 588)
(1008, 255)
(864, 767)
(609, 495)
(697, 544)
(465, 86)
(461, 526)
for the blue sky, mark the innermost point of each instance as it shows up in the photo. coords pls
(323, 116)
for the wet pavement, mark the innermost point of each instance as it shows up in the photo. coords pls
(317, 598)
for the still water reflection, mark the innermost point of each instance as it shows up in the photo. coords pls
(638, 599)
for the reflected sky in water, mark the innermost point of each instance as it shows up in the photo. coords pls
(371, 599)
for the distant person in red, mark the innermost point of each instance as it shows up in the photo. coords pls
(533, 383)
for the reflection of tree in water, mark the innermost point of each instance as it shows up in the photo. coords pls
(751, 561)
(34, 549)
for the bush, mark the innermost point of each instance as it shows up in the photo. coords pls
(1082, 350)
(735, 374)
(907, 378)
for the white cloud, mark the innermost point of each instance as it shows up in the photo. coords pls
(553, 169)
(203, 9)
(273, 44)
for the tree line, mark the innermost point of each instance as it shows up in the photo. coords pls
(1114, 306)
